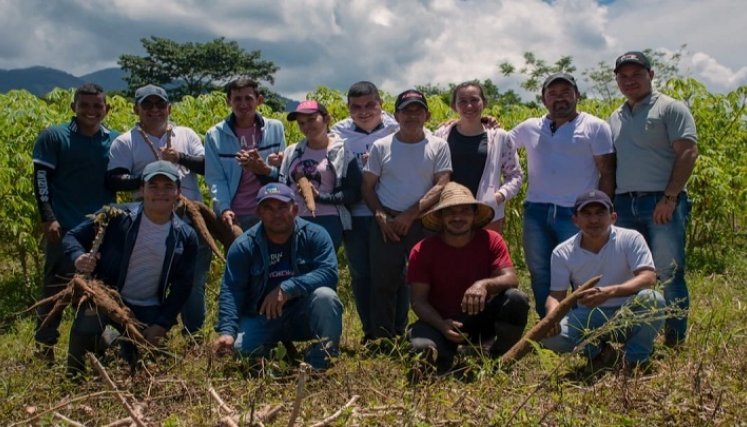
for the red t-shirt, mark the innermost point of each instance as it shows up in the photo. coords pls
(450, 271)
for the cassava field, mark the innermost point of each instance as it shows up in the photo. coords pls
(702, 383)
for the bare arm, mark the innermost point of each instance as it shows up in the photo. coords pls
(404, 220)
(643, 278)
(686, 153)
(475, 297)
(368, 191)
(606, 167)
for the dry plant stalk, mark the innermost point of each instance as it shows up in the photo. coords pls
(67, 420)
(122, 422)
(540, 330)
(307, 192)
(303, 372)
(327, 421)
(105, 376)
(195, 215)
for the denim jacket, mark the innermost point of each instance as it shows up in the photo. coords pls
(222, 171)
(177, 273)
(245, 279)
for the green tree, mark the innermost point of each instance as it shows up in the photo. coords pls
(535, 70)
(193, 68)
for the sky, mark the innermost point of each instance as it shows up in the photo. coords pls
(394, 43)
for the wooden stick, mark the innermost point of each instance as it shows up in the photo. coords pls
(122, 422)
(268, 414)
(539, 331)
(221, 403)
(303, 371)
(228, 420)
(337, 414)
(105, 376)
(67, 420)
(65, 402)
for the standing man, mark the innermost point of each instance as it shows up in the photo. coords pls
(463, 284)
(237, 151)
(655, 140)
(568, 152)
(279, 284)
(402, 179)
(367, 123)
(147, 255)
(70, 164)
(155, 138)
(624, 261)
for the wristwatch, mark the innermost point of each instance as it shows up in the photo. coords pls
(670, 198)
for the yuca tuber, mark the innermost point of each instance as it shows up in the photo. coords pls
(307, 192)
(194, 213)
(540, 330)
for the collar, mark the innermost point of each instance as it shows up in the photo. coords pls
(231, 121)
(73, 126)
(363, 131)
(647, 101)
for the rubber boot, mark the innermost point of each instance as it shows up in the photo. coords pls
(78, 346)
(507, 335)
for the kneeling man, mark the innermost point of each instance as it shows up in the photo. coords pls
(624, 261)
(463, 284)
(279, 284)
(148, 254)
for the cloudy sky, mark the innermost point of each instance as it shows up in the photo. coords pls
(394, 43)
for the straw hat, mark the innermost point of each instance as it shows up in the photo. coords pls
(454, 194)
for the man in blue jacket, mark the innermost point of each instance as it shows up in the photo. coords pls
(280, 284)
(148, 255)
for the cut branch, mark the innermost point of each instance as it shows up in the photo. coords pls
(302, 373)
(105, 376)
(337, 414)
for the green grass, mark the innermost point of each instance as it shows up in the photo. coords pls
(701, 384)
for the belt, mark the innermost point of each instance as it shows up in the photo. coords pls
(641, 193)
(390, 212)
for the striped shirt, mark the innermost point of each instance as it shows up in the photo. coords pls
(146, 262)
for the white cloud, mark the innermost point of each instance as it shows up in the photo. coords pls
(394, 43)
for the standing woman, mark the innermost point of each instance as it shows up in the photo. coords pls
(484, 160)
(332, 171)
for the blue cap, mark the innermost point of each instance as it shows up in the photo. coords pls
(161, 167)
(277, 191)
(149, 90)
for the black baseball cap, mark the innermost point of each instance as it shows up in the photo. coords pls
(410, 96)
(559, 76)
(632, 57)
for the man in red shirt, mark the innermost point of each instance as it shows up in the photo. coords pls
(463, 284)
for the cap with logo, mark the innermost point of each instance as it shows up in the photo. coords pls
(275, 190)
(632, 57)
(409, 97)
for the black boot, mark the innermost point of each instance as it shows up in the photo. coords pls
(78, 346)
(507, 335)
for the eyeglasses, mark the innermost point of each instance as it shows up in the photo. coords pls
(149, 105)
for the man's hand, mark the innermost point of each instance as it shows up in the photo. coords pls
(473, 301)
(52, 231)
(595, 296)
(275, 159)
(450, 329)
(250, 160)
(387, 232)
(170, 154)
(499, 198)
(402, 223)
(490, 122)
(154, 334)
(663, 211)
(228, 217)
(272, 306)
(86, 263)
(223, 345)
(554, 330)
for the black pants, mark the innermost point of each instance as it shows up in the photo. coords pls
(502, 323)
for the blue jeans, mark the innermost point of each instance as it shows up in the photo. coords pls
(667, 244)
(545, 226)
(638, 332)
(193, 311)
(315, 316)
(332, 224)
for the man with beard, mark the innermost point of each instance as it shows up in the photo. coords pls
(478, 303)
(568, 152)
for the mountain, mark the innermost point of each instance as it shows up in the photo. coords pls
(41, 80)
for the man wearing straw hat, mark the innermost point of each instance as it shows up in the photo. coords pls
(463, 284)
